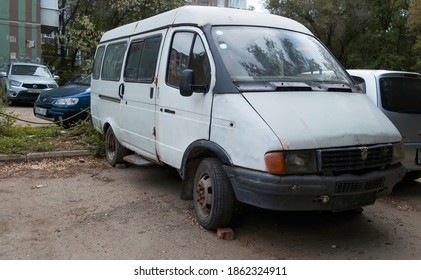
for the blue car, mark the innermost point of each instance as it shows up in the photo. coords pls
(66, 104)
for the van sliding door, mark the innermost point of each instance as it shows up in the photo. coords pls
(138, 94)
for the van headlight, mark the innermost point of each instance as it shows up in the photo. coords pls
(291, 162)
(398, 152)
(66, 101)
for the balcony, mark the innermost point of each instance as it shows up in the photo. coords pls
(49, 16)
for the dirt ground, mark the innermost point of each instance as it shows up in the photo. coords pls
(81, 208)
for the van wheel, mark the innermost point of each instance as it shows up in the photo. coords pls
(114, 152)
(213, 196)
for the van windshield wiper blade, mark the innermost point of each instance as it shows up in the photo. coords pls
(272, 86)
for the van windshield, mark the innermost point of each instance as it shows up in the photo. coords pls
(401, 94)
(258, 54)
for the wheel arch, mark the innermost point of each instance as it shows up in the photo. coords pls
(194, 153)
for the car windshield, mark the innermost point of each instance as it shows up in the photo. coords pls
(253, 54)
(31, 70)
(85, 81)
(401, 94)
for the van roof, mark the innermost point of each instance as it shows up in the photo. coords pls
(201, 16)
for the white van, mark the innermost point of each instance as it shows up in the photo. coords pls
(398, 95)
(246, 106)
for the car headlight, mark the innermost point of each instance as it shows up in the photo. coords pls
(398, 152)
(15, 83)
(66, 101)
(291, 162)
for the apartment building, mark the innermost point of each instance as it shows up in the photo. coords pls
(22, 23)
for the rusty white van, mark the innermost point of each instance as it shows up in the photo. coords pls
(248, 107)
(398, 95)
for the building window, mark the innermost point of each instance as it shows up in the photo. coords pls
(204, 4)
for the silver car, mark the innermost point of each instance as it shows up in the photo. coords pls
(23, 82)
(398, 95)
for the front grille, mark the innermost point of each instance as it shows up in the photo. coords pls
(354, 187)
(37, 86)
(354, 158)
(24, 95)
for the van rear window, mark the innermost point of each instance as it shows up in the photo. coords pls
(113, 61)
(97, 63)
(399, 94)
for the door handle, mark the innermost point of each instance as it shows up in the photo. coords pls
(121, 90)
(169, 111)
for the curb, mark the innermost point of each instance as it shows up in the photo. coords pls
(38, 156)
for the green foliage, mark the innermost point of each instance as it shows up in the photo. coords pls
(382, 34)
(25, 139)
(6, 119)
(92, 139)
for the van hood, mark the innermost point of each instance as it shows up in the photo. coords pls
(308, 120)
(66, 91)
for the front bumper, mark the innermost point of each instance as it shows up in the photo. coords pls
(58, 114)
(412, 161)
(22, 94)
(312, 192)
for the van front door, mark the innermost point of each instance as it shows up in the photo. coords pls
(183, 120)
(138, 94)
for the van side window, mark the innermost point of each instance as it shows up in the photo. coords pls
(97, 63)
(187, 51)
(113, 61)
(141, 60)
(199, 62)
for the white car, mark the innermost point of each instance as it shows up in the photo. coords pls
(398, 95)
(23, 82)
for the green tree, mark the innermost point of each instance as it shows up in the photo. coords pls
(415, 29)
(362, 34)
(82, 22)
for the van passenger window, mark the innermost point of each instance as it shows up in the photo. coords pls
(113, 61)
(183, 56)
(97, 63)
(199, 62)
(141, 60)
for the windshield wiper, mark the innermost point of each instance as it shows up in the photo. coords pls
(283, 86)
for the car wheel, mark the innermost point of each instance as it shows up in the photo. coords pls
(114, 152)
(213, 196)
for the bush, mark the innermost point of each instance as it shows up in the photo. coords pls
(93, 140)
(6, 119)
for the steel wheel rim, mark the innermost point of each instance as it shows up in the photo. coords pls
(111, 147)
(204, 195)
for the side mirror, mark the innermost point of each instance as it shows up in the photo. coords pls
(56, 78)
(3, 74)
(187, 84)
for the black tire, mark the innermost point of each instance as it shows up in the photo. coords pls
(114, 152)
(412, 176)
(213, 196)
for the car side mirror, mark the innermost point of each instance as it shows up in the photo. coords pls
(3, 74)
(187, 84)
(56, 78)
